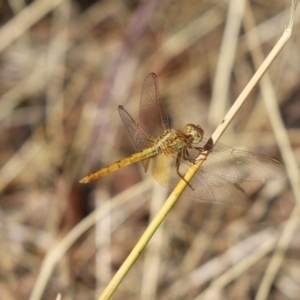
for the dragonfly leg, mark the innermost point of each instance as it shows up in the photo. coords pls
(186, 155)
(179, 156)
(200, 149)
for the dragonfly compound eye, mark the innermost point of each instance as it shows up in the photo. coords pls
(196, 132)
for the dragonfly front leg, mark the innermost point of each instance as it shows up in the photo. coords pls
(179, 157)
(201, 150)
(186, 155)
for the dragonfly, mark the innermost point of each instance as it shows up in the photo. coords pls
(174, 151)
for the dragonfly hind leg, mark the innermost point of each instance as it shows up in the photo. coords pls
(179, 156)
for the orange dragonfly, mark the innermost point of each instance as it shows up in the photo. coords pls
(174, 151)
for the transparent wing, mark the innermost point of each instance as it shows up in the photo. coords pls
(208, 187)
(164, 169)
(152, 115)
(218, 179)
(237, 164)
(204, 187)
(139, 137)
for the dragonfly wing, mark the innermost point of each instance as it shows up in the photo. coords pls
(163, 169)
(152, 116)
(139, 137)
(205, 187)
(237, 164)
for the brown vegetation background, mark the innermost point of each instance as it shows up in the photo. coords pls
(65, 66)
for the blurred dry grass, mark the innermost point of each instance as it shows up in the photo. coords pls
(64, 68)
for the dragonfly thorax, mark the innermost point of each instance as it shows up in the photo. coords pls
(195, 132)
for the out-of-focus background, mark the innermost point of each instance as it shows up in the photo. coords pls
(65, 66)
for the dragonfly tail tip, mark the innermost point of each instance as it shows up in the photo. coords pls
(83, 180)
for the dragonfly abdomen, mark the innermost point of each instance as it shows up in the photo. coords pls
(145, 154)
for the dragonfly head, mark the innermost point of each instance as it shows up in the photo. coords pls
(195, 132)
